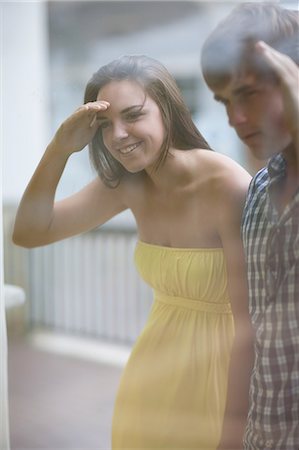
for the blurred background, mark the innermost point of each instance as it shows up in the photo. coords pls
(80, 303)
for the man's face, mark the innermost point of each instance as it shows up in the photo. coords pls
(255, 110)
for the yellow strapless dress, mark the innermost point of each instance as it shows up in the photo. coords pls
(173, 390)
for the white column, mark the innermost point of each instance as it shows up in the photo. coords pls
(4, 425)
(25, 100)
(24, 129)
(4, 422)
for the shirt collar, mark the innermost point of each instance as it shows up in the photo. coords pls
(277, 166)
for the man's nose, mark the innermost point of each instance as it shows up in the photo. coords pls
(236, 115)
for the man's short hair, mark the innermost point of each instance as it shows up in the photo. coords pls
(229, 48)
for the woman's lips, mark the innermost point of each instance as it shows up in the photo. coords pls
(129, 148)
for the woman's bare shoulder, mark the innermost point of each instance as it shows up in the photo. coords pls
(219, 169)
(221, 179)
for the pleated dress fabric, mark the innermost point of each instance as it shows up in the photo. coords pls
(173, 390)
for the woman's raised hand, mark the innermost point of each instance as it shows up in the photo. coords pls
(78, 130)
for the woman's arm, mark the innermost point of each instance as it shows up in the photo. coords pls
(231, 197)
(39, 219)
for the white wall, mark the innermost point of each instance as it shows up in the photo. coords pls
(25, 101)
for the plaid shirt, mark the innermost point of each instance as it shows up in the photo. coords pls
(271, 244)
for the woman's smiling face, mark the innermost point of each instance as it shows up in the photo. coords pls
(132, 126)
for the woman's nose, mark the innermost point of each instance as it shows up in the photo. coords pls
(120, 132)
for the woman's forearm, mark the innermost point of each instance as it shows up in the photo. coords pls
(35, 211)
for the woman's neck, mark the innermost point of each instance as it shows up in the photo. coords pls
(171, 173)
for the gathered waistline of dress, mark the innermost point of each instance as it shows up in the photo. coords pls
(189, 303)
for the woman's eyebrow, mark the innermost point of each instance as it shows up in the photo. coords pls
(125, 110)
(102, 117)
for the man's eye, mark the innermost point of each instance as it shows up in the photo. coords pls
(249, 93)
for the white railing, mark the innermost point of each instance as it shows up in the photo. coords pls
(86, 285)
(89, 285)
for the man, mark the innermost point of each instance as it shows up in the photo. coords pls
(250, 62)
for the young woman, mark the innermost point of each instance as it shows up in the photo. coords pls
(187, 201)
